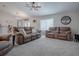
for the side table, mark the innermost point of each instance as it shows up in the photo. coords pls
(77, 37)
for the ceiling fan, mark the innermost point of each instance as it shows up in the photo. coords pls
(34, 5)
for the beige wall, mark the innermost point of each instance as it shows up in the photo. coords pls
(34, 24)
(7, 19)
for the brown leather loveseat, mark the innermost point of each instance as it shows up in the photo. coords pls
(63, 33)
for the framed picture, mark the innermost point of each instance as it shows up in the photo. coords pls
(66, 20)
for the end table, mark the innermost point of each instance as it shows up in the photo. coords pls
(77, 37)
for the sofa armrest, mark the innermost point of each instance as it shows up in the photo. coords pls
(65, 32)
(18, 35)
(19, 38)
(5, 37)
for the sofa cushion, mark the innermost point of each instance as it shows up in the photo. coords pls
(64, 28)
(4, 44)
(52, 28)
(28, 30)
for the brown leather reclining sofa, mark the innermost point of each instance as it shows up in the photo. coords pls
(63, 33)
(28, 36)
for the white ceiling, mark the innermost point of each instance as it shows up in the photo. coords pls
(47, 8)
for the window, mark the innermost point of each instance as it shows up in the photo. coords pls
(45, 24)
(26, 24)
(22, 23)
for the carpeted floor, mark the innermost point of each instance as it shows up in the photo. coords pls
(46, 47)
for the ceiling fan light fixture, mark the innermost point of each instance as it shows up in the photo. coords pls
(34, 6)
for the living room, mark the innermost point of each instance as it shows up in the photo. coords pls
(31, 28)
